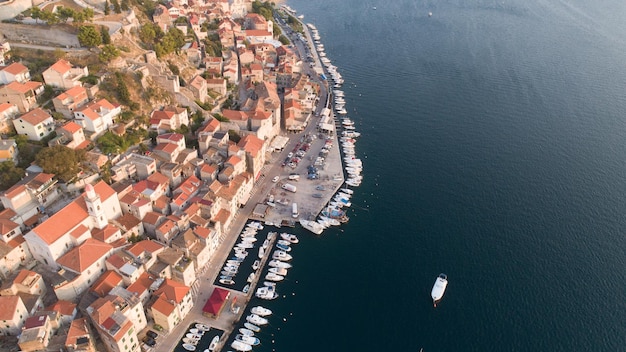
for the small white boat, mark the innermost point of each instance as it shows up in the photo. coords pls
(331, 221)
(289, 237)
(255, 225)
(261, 252)
(439, 288)
(312, 226)
(274, 277)
(265, 292)
(194, 331)
(281, 255)
(227, 281)
(190, 347)
(283, 247)
(261, 311)
(256, 264)
(284, 242)
(279, 271)
(190, 341)
(252, 327)
(250, 340)
(240, 346)
(214, 343)
(246, 288)
(193, 336)
(266, 243)
(279, 264)
(256, 320)
(246, 332)
(203, 327)
(251, 277)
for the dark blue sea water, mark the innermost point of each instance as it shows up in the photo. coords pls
(494, 144)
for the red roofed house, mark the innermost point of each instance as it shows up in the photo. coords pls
(70, 100)
(71, 225)
(38, 331)
(98, 116)
(63, 75)
(67, 311)
(255, 149)
(26, 281)
(118, 318)
(88, 261)
(125, 265)
(173, 303)
(182, 195)
(169, 118)
(35, 124)
(216, 302)
(7, 113)
(23, 95)
(13, 314)
(106, 282)
(70, 135)
(258, 36)
(145, 251)
(14, 72)
(15, 252)
(79, 337)
(30, 193)
(198, 86)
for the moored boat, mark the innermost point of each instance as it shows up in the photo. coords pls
(214, 343)
(250, 340)
(439, 288)
(281, 255)
(289, 237)
(240, 346)
(279, 271)
(227, 281)
(252, 327)
(246, 332)
(274, 277)
(190, 347)
(283, 247)
(279, 264)
(261, 311)
(312, 226)
(256, 320)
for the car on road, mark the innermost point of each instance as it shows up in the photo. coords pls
(275, 179)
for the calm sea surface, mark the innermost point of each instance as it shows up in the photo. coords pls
(494, 148)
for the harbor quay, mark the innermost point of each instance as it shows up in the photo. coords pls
(311, 196)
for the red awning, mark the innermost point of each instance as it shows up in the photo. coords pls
(215, 303)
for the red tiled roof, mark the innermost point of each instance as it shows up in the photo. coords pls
(83, 256)
(35, 116)
(15, 68)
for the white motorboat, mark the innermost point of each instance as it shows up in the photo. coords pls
(214, 343)
(255, 225)
(194, 331)
(252, 327)
(228, 273)
(244, 245)
(246, 332)
(202, 327)
(283, 247)
(190, 347)
(190, 341)
(266, 243)
(439, 288)
(312, 226)
(323, 223)
(193, 336)
(266, 292)
(240, 346)
(261, 311)
(274, 277)
(227, 281)
(331, 221)
(250, 340)
(246, 288)
(256, 320)
(279, 271)
(284, 242)
(269, 284)
(279, 264)
(256, 264)
(261, 252)
(251, 277)
(289, 237)
(281, 255)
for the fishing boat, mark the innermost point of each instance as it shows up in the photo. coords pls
(279, 271)
(214, 343)
(279, 264)
(256, 320)
(312, 226)
(252, 327)
(190, 347)
(281, 255)
(250, 340)
(439, 288)
(240, 346)
(246, 332)
(261, 311)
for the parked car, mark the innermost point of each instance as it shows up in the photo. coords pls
(152, 334)
(149, 341)
(275, 179)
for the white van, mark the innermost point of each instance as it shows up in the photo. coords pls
(294, 210)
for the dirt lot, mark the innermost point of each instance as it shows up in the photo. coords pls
(59, 36)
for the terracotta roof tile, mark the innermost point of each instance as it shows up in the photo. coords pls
(83, 256)
(35, 116)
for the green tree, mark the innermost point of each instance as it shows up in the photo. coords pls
(35, 13)
(122, 90)
(89, 36)
(104, 33)
(9, 174)
(125, 6)
(116, 6)
(284, 40)
(107, 9)
(61, 161)
(49, 17)
(64, 13)
(88, 13)
(108, 53)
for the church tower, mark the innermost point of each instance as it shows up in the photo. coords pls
(94, 207)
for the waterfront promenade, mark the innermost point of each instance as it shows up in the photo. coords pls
(331, 178)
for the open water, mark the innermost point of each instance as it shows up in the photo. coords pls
(494, 148)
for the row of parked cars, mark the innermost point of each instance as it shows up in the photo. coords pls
(150, 340)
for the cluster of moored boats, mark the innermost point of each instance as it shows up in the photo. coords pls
(195, 334)
(335, 76)
(277, 266)
(231, 267)
(246, 339)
